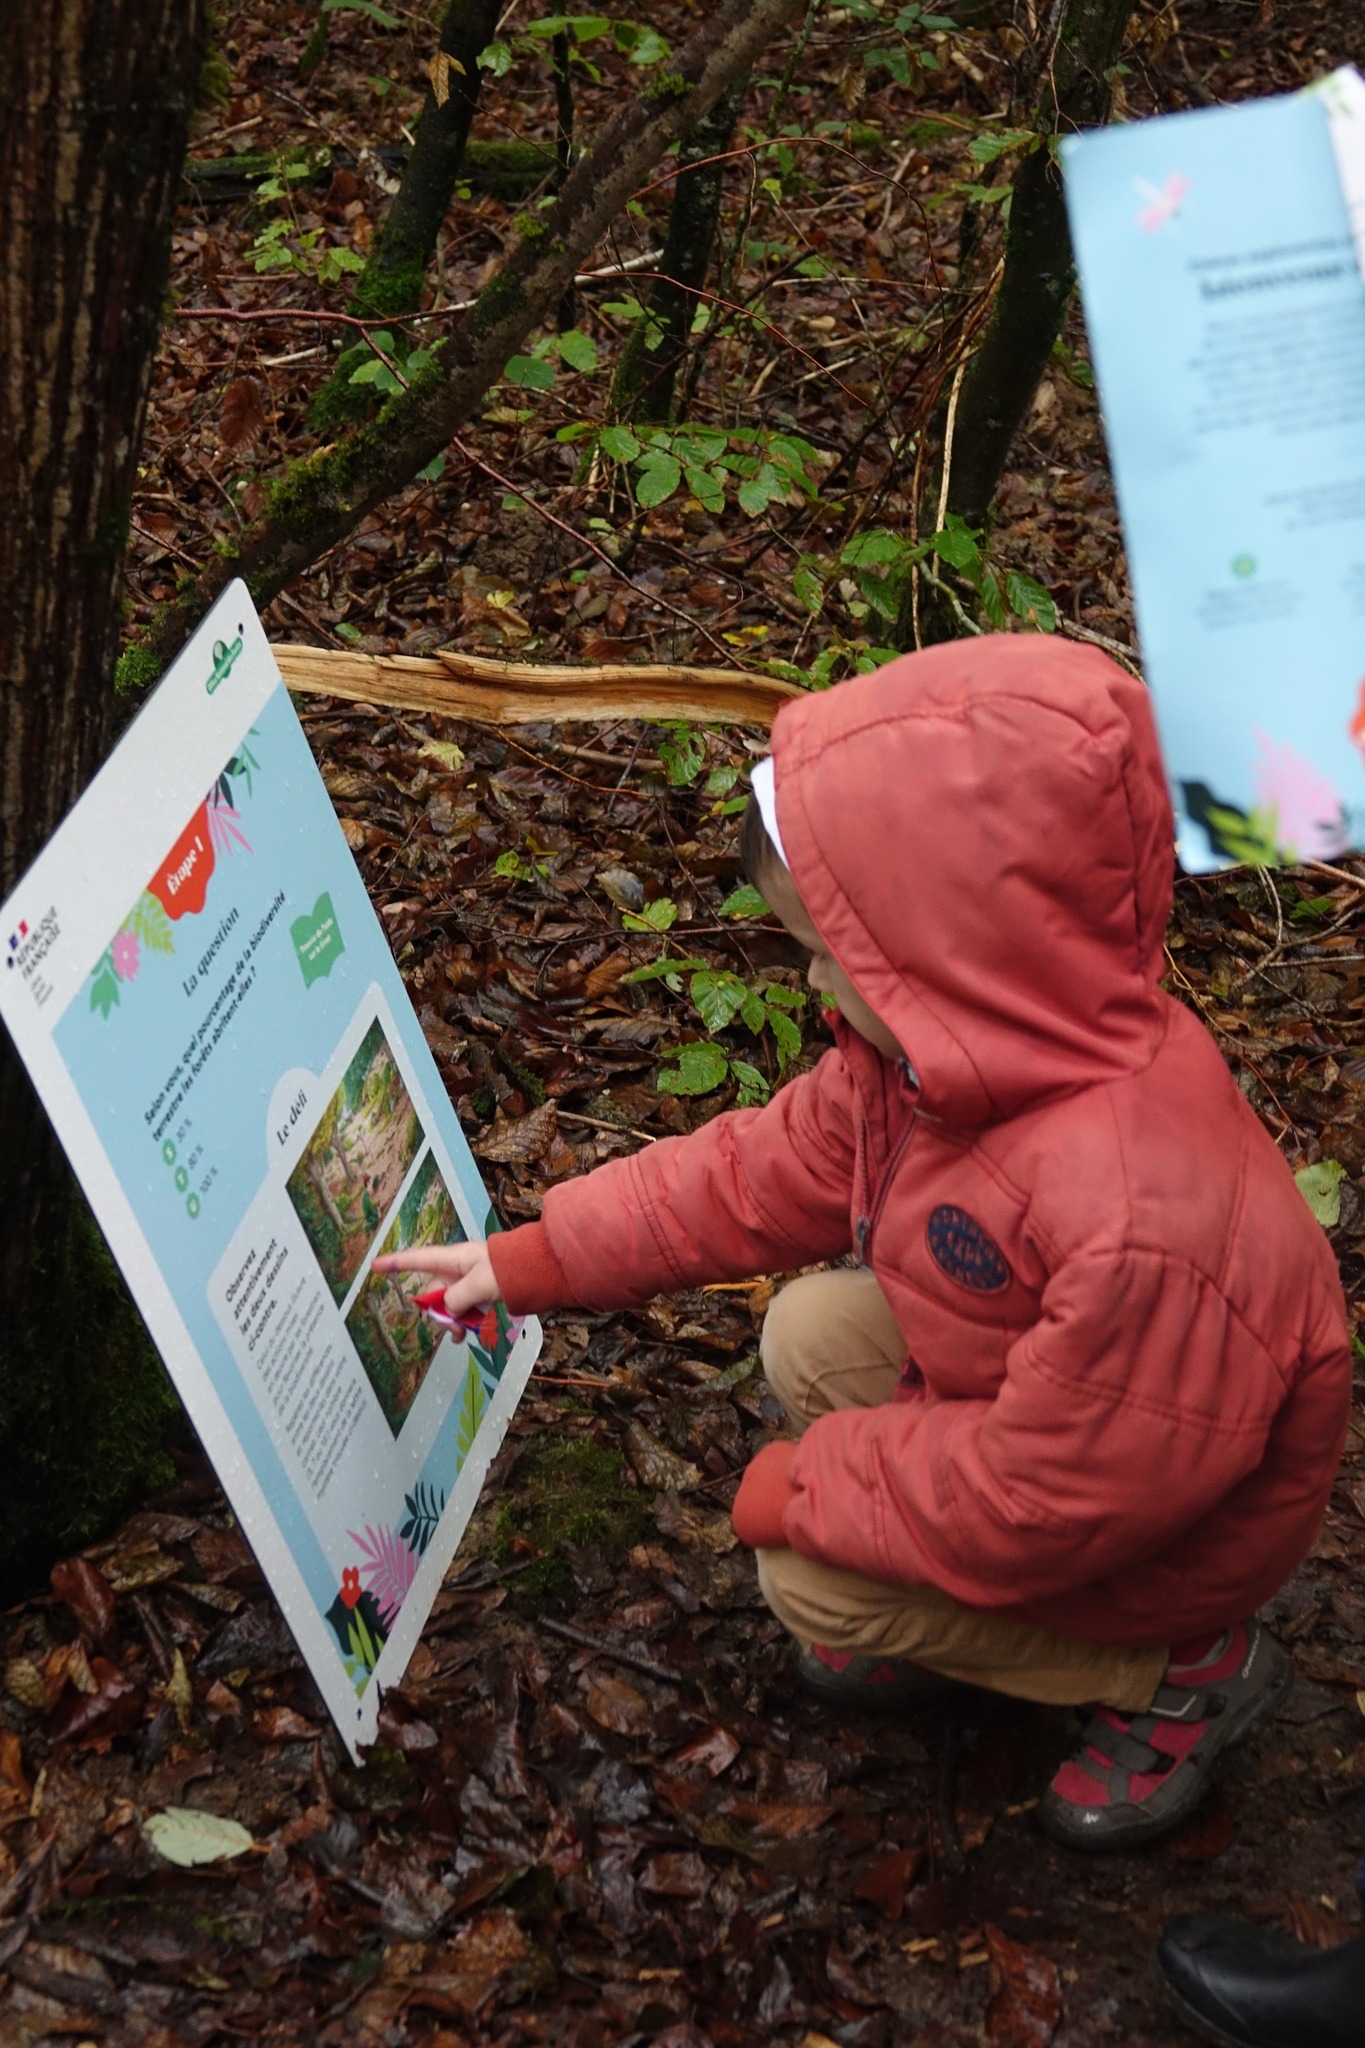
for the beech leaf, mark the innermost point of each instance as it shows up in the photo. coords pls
(185, 1836)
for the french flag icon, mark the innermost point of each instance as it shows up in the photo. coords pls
(15, 939)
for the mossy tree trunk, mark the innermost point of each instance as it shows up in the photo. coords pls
(320, 500)
(95, 98)
(394, 275)
(1074, 90)
(647, 377)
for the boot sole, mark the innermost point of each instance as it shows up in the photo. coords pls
(1100, 1838)
(1198, 2022)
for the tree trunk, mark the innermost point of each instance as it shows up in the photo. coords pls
(646, 378)
(320, 500)
(95, 98)
(391, 282)
(1074, 92)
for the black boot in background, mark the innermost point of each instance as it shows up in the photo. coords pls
(1252, 1987)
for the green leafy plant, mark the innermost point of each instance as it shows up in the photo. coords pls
(757, 468)
(877, 565)
(744, 901)
(518, 869)
(658, 916)
(283, 244)
(1320, 1187)
(384, 376)
(720, 998)
(683, 753)
(641, 45)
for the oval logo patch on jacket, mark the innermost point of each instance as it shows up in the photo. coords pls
(966, 1253)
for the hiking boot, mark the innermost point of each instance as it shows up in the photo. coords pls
(1137, 1776)
(868, 1685)
(1253, 1987)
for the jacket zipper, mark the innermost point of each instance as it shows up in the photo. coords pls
(862, 1235)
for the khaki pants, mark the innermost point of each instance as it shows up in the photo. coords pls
(831, 1341)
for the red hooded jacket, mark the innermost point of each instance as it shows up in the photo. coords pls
(1128, 1363)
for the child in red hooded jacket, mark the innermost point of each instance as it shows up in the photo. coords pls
(1075, 1412)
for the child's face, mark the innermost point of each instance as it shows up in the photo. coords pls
(824, 974)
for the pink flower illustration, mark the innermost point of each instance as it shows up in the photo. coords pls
(1164, 203)
(127, 955)
(225, 825)
(389, 1569)
(1310, 820)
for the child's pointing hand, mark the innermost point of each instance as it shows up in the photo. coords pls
(465, 1270)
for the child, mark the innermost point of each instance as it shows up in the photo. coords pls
(1075, 1411)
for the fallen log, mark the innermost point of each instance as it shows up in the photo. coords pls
(489, 692)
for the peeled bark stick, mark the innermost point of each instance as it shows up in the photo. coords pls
(321, 499)
(487, 692)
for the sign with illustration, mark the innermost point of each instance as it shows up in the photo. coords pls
(207, 1003)
(1226, 314)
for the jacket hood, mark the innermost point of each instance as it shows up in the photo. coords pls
(982, 835)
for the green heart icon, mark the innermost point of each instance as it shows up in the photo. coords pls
(317, 941)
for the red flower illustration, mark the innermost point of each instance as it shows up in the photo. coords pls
(350, 1586)
(488, 1331)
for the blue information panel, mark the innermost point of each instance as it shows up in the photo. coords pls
(1226, 313)
(207, 1003)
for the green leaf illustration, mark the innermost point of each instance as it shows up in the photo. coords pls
(150, 924)
(472, 1409)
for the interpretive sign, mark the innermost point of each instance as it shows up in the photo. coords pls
(207, 1004)
(1226, 314)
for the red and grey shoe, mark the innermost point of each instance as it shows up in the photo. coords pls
(868, 1685)
(1137, 1776)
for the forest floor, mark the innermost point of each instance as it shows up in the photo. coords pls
(600, 1811)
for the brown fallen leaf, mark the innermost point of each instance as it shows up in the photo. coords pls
(520, 1142)
(1313, 1925)
(282, 1724)
(93, 1719)
(694, 1527)
(713, 1752)
(614, 1704)
(662, 1470)
(884, 1880)
(242, 418)
(782, 1819)
(24, 1682)
(1026, 2005)
(676, 1874)
(86, 1591)
(145, 1564)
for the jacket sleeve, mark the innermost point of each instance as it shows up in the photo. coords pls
(1070, 1471)
(753, 1191)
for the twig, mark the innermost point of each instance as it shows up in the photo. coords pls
(945, 1799)
(1322, 867)
(584, 1641)
(236, 313)
(1121, 654)
(949, 433)
(597, 1123)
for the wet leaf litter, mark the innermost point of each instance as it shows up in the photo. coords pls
(599, 1808)
(600, 1812)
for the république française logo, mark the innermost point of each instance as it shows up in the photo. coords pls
(27, 948)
